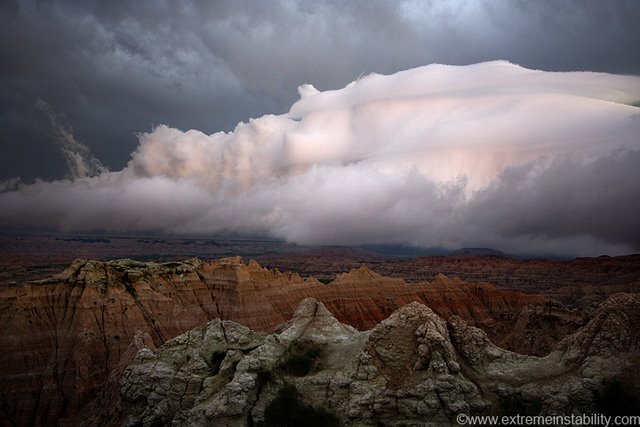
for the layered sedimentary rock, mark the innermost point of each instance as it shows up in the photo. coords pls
(577, 282)
(63, 337)
(413, 368)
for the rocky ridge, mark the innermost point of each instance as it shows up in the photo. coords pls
(67, 335)
(413, 368)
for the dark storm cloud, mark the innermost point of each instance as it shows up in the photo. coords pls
(118, 68)
(570, 199)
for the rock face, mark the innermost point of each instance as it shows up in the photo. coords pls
(539, 328)
(413, 368)
(64, 337)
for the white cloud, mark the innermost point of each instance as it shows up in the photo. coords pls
(488, 154)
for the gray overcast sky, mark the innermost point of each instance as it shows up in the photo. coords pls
(117, 68)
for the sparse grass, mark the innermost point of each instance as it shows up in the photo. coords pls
(302, 358)
(264, 377)
(287, 410)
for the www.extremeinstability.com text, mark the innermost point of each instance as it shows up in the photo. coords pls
(549, 420)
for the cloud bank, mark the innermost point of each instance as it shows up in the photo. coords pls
(490, 154)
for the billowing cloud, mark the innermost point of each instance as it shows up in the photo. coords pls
(491, 154)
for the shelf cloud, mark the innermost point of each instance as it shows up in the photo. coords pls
(490, 154)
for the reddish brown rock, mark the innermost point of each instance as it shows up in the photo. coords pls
(64, 336)
(576, 282)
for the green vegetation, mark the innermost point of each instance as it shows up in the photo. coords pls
(325, 280)
(263, 378)
(302, 358)
(287, 410)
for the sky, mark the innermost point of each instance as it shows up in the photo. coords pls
(318, 122)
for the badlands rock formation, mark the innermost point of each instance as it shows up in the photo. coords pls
(62, 338)
(413, 368)
(576, 282)
(539, 328)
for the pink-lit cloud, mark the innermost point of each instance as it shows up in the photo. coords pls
(490, 154)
